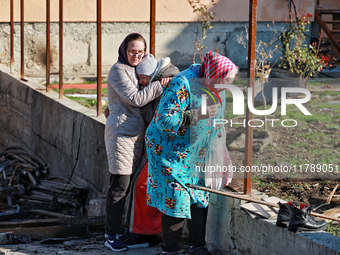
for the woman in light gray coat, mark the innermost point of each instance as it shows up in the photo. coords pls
(125, 130)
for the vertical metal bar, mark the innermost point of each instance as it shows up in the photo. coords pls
(99, 57)
(60, 49)
(251, 81)
(152, 26)
(22, 39)
(12, 37)
(48, 44)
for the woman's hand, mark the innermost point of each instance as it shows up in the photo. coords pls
(211, 112)
(164, 81)
(211, 109)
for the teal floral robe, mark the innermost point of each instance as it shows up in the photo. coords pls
(171, 150)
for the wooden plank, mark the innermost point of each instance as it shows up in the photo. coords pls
(237, 184)
(52, 214)
(50, 232)
(274, 200)
(333, 212)
(41, 196)
(65, 196)
(261, 210)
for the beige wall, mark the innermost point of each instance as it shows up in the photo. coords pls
(139, 10)
(329, 3)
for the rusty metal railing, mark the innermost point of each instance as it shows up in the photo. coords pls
(22, 17)
(61, 62)
(251, 80)
(99, 57)
(48, 44)
(152, 27)
(12, 35)
(251, 60)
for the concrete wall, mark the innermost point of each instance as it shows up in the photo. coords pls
(139, 10)
(65, 134)
(175, 40)
(233, 231)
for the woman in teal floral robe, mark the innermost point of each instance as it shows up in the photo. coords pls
(175, 149)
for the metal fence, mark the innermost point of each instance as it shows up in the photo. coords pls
(251, 59)
(48, 43)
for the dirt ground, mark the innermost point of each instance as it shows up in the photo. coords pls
(300, 188)
(308, 151)
(315, 141)
(308, 188)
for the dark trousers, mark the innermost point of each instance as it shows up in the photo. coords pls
(172, 229)
(115, 202)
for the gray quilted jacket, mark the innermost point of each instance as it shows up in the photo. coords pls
(125, 126)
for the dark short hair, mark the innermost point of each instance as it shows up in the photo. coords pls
(134, 37)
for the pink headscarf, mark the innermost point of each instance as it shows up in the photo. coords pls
(214, 69)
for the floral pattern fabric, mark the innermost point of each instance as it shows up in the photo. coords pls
(171, 153)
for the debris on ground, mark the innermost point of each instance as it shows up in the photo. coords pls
(36, 205)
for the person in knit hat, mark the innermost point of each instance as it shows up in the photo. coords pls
(143, 219)
(147, 66)
(148, 71)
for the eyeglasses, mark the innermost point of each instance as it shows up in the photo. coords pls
(134, 52)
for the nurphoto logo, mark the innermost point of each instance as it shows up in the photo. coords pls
(239, 109)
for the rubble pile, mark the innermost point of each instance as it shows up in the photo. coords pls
(24, 183)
